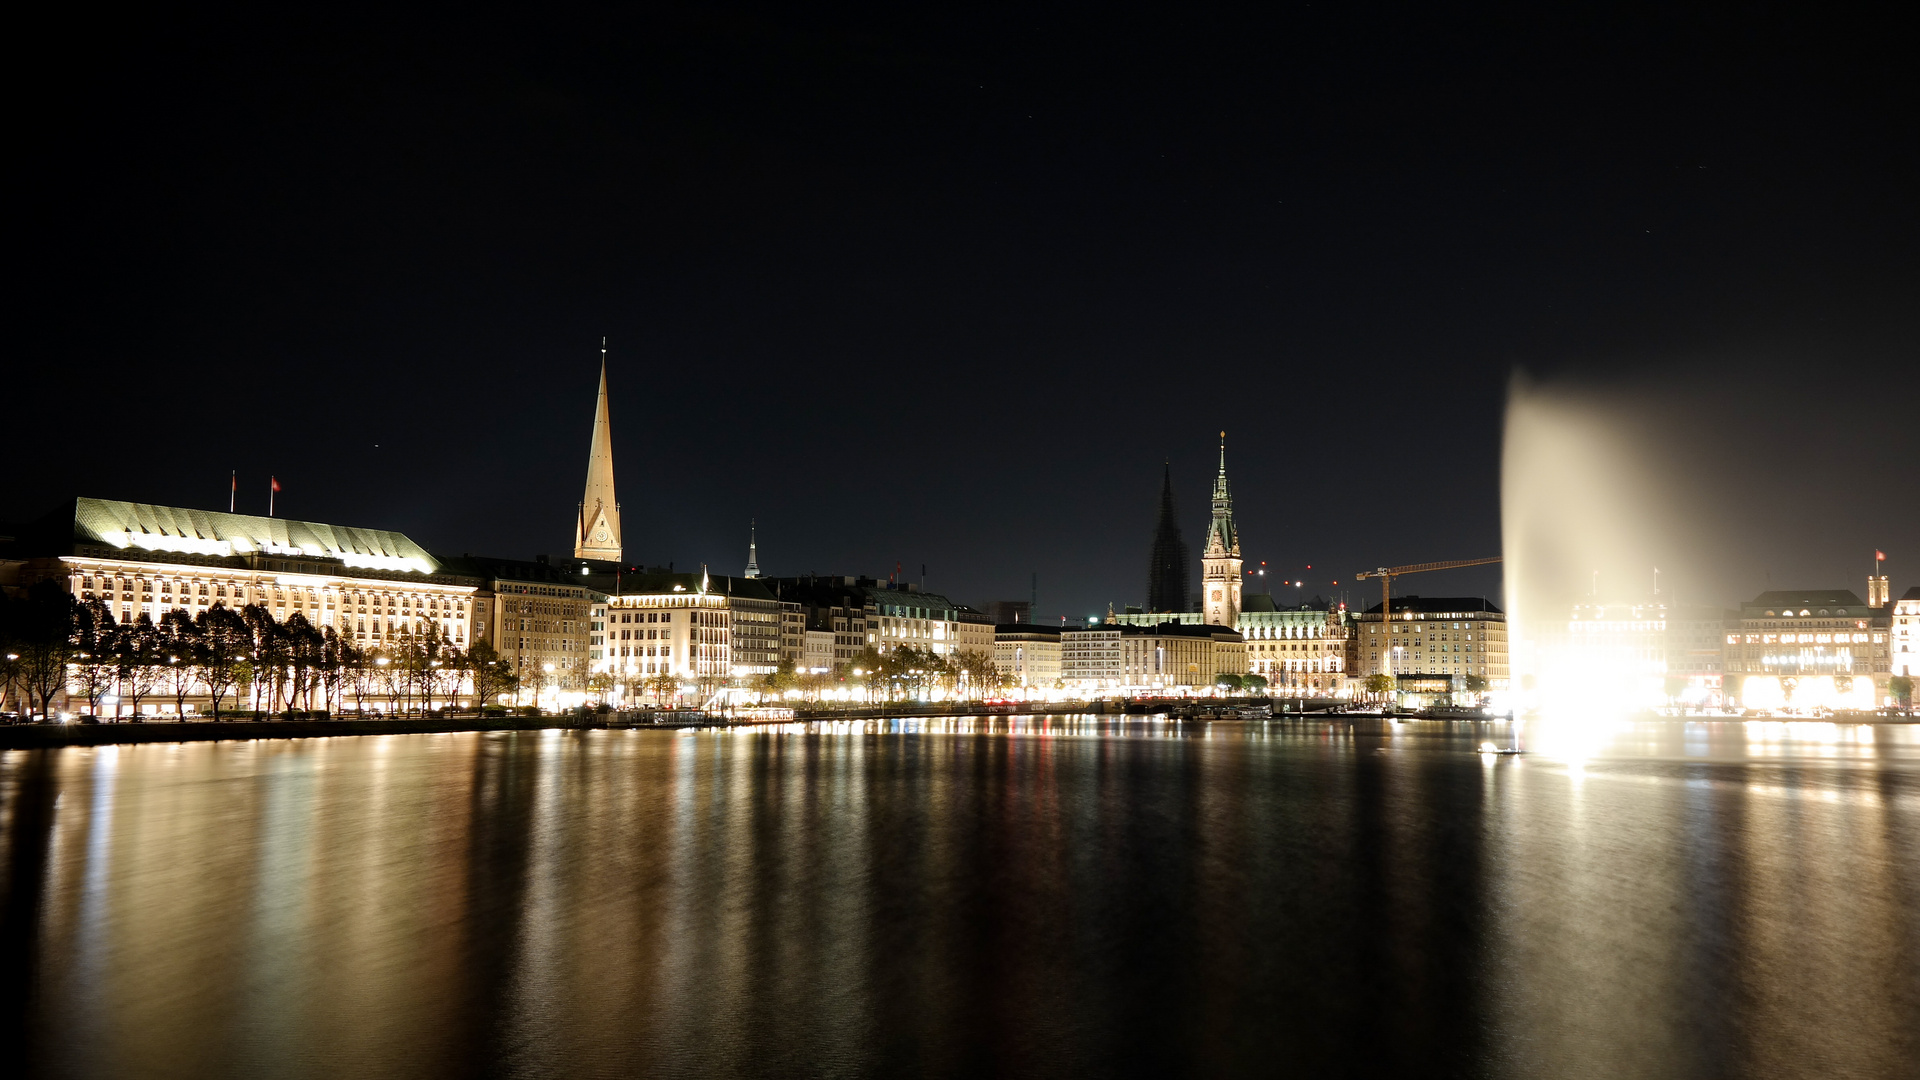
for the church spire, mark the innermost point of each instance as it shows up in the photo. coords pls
(753, 550)
(597, 529)
(1220, 562)
(1168, 586)
(1222, 539)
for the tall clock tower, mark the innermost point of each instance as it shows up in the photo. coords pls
(596, 531)
(1220, 579)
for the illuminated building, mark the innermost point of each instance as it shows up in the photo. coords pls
(374, 587)
(596, 531)
(888, 615)
(833, 607)
(1090, 659)
(1301, 647)
(538, 617)
(1455, 636)
(818, 652)
(1122, 656)
(1905, 656)
(672, 626)
(1808, 649)
(1179, 655)
(1220, 561)
(757, 620)
(140, 559)
(1027, 655)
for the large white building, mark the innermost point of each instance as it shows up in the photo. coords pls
(1906, 634)
(368, 585)
(1452, 636)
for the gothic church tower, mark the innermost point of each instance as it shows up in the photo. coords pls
(1220, 578)
(596, 532)
(1167, 580)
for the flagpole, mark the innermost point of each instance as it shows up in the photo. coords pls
(233, 489)
(270, 483)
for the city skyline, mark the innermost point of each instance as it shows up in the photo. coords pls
(1079, 254)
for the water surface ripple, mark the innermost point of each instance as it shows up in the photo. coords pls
(1008, 897)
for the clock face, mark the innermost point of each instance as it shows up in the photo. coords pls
(600, 537)
(1216, 594)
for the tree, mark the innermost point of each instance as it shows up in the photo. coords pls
(1380, 683)
(95, 634)
(1227, 681)
(977, 672)
(452, 669)
(267, 662)
(223, 644)
(303, 645)
(1900, 688)
(136, 659)
(781, 680)
(43, 640)
(1475, 684)
(662, 687)
(1253, 683)
(337, 658)
(179, 640)
(492, 674)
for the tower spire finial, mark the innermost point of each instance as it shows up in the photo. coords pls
(1220, 562)
(597, 530)
(753, 549)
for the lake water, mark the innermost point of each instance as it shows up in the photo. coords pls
(1005, 897)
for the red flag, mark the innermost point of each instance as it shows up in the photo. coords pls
(275, 481)
(236, 481)
(1879, 556)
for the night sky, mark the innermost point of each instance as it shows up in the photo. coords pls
(945, 287)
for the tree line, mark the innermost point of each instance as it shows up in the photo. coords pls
(53, 644)
(901, 671)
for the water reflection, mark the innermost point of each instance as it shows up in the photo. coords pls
(960, 896)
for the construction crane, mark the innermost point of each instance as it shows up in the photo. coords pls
(1386, 574)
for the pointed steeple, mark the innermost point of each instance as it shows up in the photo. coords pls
(1220, 562)
(1167, 582)
(1222, 539)
(597, 529)
(753, 550)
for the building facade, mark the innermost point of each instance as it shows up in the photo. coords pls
(374, 588)
(667, 629)
(835, 606)
(1796, 649)
(1454, 636)
(1302, 647)
(536, 616)
(818, 657)
(1091, 660)
(1028, 656)
(371, 586)
(1178, 656)
(1905, 635)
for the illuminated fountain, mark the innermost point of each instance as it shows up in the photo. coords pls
(1583, 520)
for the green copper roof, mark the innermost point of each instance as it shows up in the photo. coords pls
(146, 527)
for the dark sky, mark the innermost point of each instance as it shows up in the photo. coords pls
(946, 287)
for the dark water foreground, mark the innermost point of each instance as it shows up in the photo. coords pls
(970, 898)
